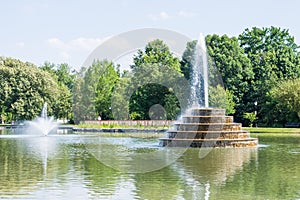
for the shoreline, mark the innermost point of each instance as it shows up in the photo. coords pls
(118, 130)
(253, 130)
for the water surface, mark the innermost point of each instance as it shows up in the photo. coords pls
(60, 166)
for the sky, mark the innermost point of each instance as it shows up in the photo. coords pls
(61, 31)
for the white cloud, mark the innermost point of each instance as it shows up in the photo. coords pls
(69, 48)
(65, 55)
(87, 44)
(20, 45)
(161, 16)
(30, 9)
(166, 16)
(186, 14)
(57, 43)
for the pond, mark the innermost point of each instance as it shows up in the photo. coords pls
(65, 166)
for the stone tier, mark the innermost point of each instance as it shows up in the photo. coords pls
(207, 119)
(207, 112)
(207, 127)
(212, 143)
(209, 134)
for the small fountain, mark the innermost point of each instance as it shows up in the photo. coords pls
(203, 126)
(42, 124)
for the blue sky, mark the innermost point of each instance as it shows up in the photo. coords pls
(68, 31)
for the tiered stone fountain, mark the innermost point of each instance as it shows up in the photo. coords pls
(208, 127)
(204, 126)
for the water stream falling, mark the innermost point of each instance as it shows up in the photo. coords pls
(199, 79)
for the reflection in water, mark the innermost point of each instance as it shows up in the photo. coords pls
(215, 169)
(191, 177)
(60, 167)
(218, 165)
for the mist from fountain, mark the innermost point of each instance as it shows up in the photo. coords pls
(42, 124)
(199, 79)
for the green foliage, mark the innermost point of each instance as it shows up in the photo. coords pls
(156, 52)
(235, 69)
(274, 57)
(120, 100)
(154, 74)
(65, 78)
(106, 83)
(285, 99)
(261, 65)
(221, 98)
(93, 91)
(187, 60)
(24, 89)
(251, 117)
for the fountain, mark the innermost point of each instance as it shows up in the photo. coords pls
(203, 126)
(42, 124)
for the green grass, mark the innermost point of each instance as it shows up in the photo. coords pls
(119, 126)
(273, 130)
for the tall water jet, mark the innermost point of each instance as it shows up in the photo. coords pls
(199, 79)
(42, 124)
(44, 112)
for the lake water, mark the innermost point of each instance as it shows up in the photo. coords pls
(65, 166)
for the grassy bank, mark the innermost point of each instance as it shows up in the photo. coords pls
(119, 126)
(273, 130)
(252, 130)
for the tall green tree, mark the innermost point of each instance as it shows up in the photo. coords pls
(106, 83)
(64, 76)
(187, 60)
(155, 71)
(285, 101)
(216, 99)
(234, 67)
(274, 57)
(93, 91)
(78, 107)
(24, 89)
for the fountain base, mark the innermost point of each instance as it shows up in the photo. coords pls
(208, 127)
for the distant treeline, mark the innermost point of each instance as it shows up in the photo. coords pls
(260, 70)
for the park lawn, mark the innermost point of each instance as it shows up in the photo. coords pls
(83, 125)
(273, 130)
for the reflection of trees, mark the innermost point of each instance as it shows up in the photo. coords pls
(200, 175)
(27, 162)
(218, 165)
(103, 179)
(17, 168)
(192, 177)
(161, 184)
(274, 176)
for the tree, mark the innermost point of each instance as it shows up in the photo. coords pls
(78, 107)
(274, 56)
(63, 73)
(65, 79)
(106, 83)
(235, 69)
(285, 98)
(156, 52)
(24, 89)
(93, 91)
(186, 63)
(251, 117)
(155, 71)
(221, 98)
(120, 99)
